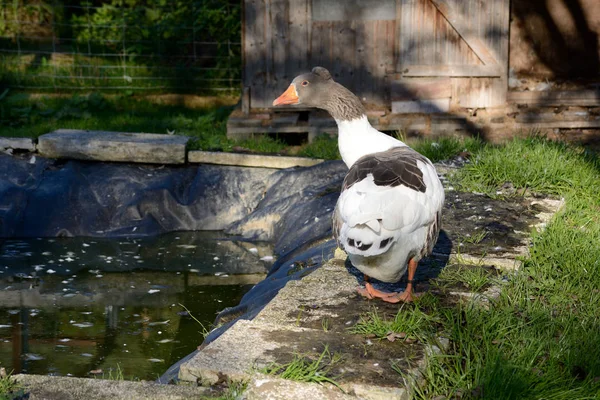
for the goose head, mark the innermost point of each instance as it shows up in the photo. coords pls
(318, 89)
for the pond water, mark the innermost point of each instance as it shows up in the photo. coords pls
(105, 307)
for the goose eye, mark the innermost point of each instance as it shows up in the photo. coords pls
(304, 83)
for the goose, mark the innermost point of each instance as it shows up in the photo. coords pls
(389, 212)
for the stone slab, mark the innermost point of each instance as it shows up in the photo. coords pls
(282, 389)
(250, 160)
(113, 146)
(17, 144)
(44, 387)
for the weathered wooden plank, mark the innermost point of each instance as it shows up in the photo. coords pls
(429, 106)
(421, 88)
(382, 57)
(255, 51)
(343, 41)
(279, 15)
(398, 48)
(353, 10)
(285, 119)
(458, 23)
(246, 100)
(299, 39)
(406, 40)
(556, 98)
(254, 47)
(472, 92)
(452, 70)
(320, 44)
(560, 124)
(268, 38)
(360, 82)
(427, 47)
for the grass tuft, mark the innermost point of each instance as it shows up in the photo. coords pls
(9, 388)
(474, 278)
(204, 331)
(305, 369)
(409, 321)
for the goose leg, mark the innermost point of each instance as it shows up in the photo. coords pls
(407, 296)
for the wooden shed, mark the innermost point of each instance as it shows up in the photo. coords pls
(402, 57)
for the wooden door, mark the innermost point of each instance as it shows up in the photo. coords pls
(455, 48)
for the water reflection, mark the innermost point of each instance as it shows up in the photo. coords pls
(85, 306)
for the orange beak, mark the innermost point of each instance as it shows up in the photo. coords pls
(290, 96)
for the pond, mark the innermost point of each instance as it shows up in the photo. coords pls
(117, 307)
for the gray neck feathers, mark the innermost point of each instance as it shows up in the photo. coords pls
(343, 105)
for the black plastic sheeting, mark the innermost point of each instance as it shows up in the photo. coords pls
(75, 198)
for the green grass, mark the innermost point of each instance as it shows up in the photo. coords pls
(204, 331)
(324, 146)
(540, 339)
(445, 147)
(306, 369)
(474, 278)
(534, 163)
(410, 321)
(114, 375)
(233, 391)
(9, 388)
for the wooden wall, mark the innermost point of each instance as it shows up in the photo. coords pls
(373, 45)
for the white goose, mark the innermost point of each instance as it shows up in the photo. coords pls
(388, 215)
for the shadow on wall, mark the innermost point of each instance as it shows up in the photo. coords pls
(555, 38)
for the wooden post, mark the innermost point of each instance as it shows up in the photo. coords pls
(246, 100)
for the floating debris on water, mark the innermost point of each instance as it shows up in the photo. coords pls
(156, 360)
(83, 324)
(32, 357)
(165, 341)
(159, 323)
(152, 291)
(50, 271)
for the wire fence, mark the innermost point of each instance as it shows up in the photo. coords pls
(138, 45)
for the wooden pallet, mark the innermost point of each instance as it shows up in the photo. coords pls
(315, 122)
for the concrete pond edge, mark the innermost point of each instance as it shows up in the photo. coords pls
(150, 148)
(234, 358)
